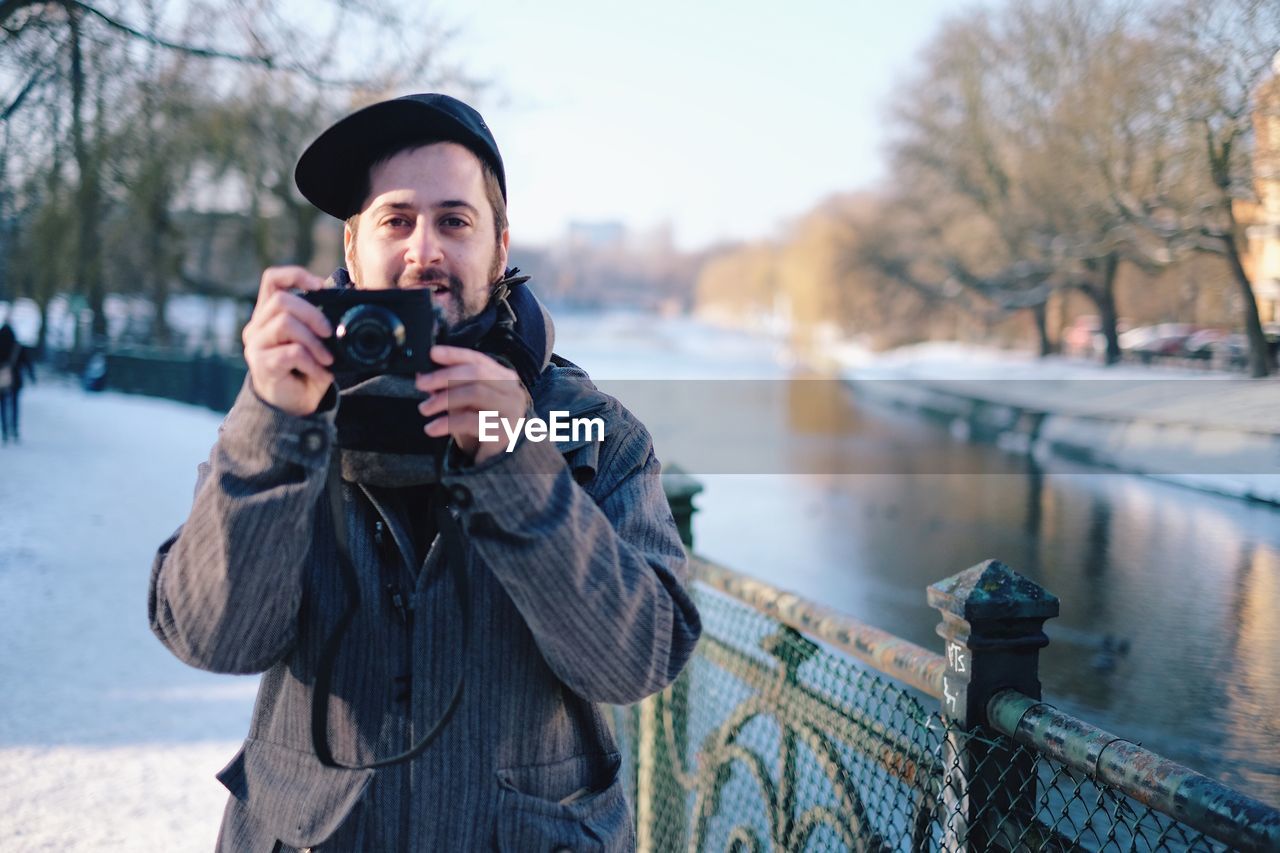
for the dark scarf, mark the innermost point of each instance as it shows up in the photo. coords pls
(380, 437)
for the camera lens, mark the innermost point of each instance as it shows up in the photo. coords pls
(369, 334)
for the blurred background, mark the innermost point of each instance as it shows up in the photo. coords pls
(808, 199)
(1084, 176)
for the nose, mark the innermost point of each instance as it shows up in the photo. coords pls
(424, 248)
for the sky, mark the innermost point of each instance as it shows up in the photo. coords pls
(724, 120)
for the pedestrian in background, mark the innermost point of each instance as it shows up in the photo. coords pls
(15, 360)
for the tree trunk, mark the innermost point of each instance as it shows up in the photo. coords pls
(1040, 312)
(160, 260)
(1101, 292)
(87, 268)
(1107, 308)
(42, 336)
(1259, 355)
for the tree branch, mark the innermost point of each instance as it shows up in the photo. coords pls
(27, 89)
(262, 61)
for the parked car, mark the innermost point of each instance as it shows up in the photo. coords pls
(1200, 346)
(1148, 343)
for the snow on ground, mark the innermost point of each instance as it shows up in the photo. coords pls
(952, 360)
(107, 742)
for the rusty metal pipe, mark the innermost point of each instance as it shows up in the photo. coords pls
(894, 656)
(1200, 802)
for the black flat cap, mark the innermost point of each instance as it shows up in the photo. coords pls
(333, 173)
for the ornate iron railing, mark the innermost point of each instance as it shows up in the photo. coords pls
(797, 728)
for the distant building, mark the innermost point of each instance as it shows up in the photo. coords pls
(596, 235)
(1262, 262)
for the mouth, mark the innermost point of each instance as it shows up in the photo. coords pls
(437, 288)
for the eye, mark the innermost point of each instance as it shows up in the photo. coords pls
(454, 222)
(397, 221)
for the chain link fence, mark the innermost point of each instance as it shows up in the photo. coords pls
(770, 741)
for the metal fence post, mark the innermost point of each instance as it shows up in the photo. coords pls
(661, 822)
(681, 488)
(992, 622)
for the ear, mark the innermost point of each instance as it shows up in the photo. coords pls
(503, 245)
(348, 251)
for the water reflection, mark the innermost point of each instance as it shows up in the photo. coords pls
(1168, 625)
(890, 502)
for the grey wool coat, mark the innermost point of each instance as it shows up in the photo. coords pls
(574, 578)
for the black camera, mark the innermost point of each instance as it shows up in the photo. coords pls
(379, 331)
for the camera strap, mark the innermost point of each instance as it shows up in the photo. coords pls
(455, 557)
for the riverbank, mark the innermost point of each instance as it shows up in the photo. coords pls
(1208, 431)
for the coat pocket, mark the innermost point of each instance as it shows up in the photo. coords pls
(289, 795)
(573, 805)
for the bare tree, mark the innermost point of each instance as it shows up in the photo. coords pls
(960, 169)
(1031, 119)
(1214, 56)
(113, 84)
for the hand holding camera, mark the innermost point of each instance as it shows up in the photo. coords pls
(289, 364)
(467, 383)
(301, 334)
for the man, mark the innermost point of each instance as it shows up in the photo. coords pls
(469, 607)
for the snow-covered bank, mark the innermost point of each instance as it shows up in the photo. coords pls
(107, 742)
(1209, 431)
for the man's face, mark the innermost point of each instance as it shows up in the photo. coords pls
(428, 224)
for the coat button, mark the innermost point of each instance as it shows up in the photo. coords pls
(483, 523)
(461, 495)
(312, 440)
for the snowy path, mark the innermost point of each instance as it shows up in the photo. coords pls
(106, 741)
(1076, 387)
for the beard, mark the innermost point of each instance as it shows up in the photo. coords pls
(448, 292)
(456, 305)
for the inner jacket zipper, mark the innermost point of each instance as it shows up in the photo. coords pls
(404, 684)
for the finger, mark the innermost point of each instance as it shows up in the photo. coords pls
(286, 278)
(459, 427)
(461, 398)
(295, 356)
(288, 329)
(451, 400)
(480, 396)
(444, 356)
(438, 428)
(508, 398)
(491, 371)
(446, 376)
(283, 302)
(435, 404)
